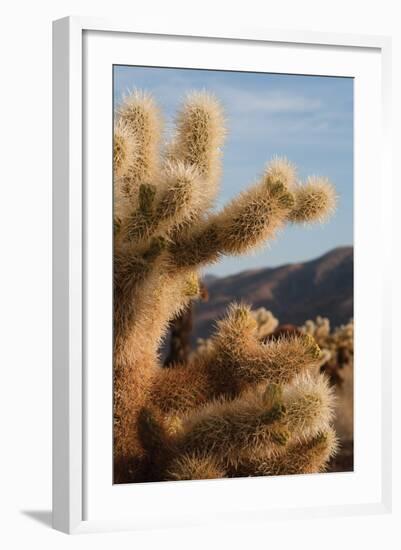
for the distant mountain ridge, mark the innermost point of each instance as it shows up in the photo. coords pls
(293, 292)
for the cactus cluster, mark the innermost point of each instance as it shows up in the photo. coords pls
(337, 364)
(337, 346)
(244, 406)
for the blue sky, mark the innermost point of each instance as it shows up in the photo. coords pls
(308, 119)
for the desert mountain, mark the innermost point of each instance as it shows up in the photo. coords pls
(293, 292)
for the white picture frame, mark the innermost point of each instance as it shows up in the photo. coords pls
(79, 483)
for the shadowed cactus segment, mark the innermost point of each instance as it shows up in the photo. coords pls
(243, 406)
(301, 458)
(273, 395)
(193, 466)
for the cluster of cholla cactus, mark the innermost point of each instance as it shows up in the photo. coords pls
(266, 322)
(337, 364)
(245, 407)
(337, 346)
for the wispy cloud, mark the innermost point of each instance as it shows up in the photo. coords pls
(240, 99)
(285, 113)
(267, 102)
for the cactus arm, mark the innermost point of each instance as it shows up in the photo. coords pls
(189, 466)
(303, 457)
(250, 361)
(199, 136)
(238, 360)
(306, 457)
(125, 149)
(246, 222)
(315, 201)
(253, 218)
(141, 118)
(303, 410)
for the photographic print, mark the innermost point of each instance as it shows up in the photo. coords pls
(233, 274)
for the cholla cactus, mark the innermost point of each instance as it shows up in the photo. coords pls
(266, 322)
(245, 407)
(337, 346)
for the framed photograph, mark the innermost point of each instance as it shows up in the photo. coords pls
(219, 344)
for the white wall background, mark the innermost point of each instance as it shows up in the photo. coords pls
(25, 201)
